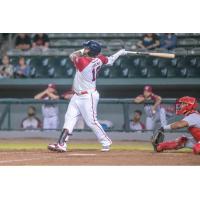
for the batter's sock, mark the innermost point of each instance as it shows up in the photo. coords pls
(64, 137)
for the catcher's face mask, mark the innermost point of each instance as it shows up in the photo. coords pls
(185, 105)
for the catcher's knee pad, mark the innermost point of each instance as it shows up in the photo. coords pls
(196, 148)
(181, 141)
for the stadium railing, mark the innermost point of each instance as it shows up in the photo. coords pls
(8, 106)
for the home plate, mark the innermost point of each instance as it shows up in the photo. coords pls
(82, 154)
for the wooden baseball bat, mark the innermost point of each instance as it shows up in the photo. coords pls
(155, 54)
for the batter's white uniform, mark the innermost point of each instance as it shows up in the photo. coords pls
(84, 101)
(50, 114)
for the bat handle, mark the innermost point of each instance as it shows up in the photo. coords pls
(137, 53)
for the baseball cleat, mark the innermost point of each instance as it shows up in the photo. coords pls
(105, 148)
(58, 147)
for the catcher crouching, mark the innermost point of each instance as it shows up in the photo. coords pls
(186, 106)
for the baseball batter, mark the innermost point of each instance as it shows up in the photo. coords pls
(154, 112)
(184, 106)
(88, 62)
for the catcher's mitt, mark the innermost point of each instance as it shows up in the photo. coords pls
(157, 137)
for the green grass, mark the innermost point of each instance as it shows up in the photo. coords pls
(138, 146)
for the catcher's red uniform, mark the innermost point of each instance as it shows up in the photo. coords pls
(193, 120)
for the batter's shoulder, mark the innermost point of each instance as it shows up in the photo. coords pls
(104, 59)
(82, 62)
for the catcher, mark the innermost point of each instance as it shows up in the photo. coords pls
(184, 106)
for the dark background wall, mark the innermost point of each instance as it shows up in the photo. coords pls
(112, 89)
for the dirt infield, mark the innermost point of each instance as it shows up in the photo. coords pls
(94, 157)
(34, 152)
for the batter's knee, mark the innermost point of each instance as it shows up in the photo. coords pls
(196, 148)
(91, 124)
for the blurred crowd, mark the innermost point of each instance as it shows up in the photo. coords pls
(152, 41)
(24, 42)
(40, 41)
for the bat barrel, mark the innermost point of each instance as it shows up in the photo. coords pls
(155, 54)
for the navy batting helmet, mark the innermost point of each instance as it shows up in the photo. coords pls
(95, 47)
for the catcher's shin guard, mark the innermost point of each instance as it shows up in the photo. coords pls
(196, 148)
(172, 145)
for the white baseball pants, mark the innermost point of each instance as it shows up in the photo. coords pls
(86, 105)
(159, 116)
(50, 122)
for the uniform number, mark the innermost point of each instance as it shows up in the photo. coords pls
(94, 73)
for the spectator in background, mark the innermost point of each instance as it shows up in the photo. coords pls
(68, 94)
(154, 113)
(41, 41)
(168, 41)
(135, 123)
(6, 69)
(49, 110)
(22, 70)
(31, 121)
(149, 41)
(23, 42)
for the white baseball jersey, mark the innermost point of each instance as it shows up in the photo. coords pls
(49, 110)
(193, 120)
(136, 126)
(31, 123)
(86, 72)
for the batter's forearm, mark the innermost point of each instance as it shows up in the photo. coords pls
(114, 57)
(76, 54)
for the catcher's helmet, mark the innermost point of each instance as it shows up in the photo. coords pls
(95, 47)
(186, 104)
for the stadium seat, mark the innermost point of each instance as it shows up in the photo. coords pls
(116, 44)
(128, 44)
(133, 72)
(168, 72)
(61, 67)
(194, 51)
(59, 43)
(119, 62)
(193, 72)
(180, 51)
(184, 62)
(104, 72)
(115, 72)
(77, 43)
(39, 67)
(146, 62)
(187, 42)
